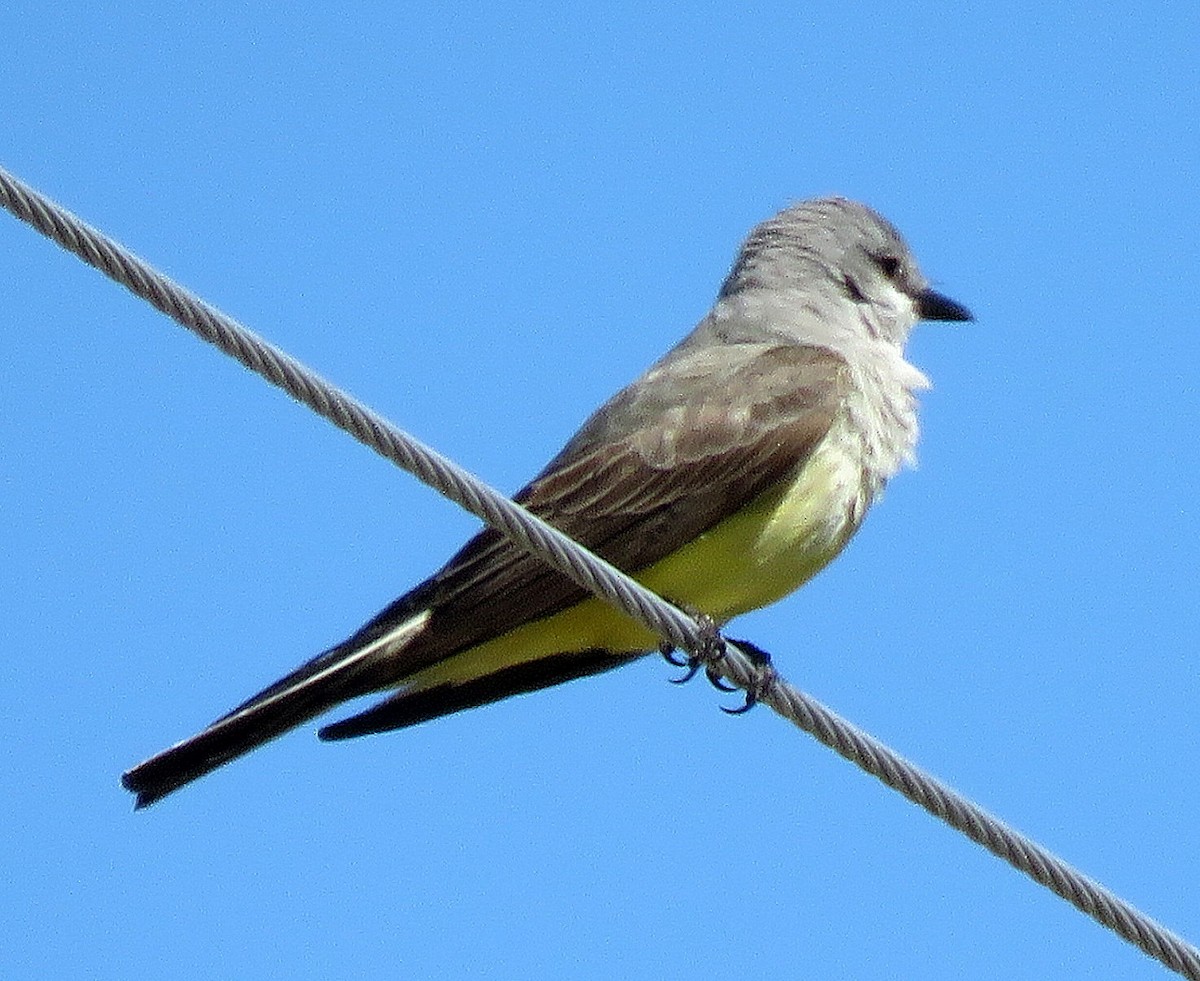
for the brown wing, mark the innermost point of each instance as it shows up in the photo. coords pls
(664, 461)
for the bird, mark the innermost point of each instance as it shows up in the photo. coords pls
(726, 476)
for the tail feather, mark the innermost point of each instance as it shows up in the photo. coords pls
(368, 662)
(341, 673)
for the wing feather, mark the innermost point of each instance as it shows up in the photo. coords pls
(664, 461)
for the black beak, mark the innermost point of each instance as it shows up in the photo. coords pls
(931, 305)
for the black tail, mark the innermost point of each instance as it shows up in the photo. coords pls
(327, 680)
(360, 666)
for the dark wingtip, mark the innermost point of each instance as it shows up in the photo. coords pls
(932, 305)
(142, 798)
(336, 731)
(410, 707)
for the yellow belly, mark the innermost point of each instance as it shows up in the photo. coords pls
(749, 560)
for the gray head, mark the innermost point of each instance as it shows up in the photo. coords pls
(837, 256)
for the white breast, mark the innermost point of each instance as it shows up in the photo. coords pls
(883, 411)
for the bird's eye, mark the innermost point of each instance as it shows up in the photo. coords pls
(889, 265)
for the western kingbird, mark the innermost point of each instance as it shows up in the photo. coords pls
(724, 478)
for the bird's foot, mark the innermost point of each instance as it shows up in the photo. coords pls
(710, 654)
(762, 662)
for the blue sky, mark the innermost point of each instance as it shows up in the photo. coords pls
(482, 222)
